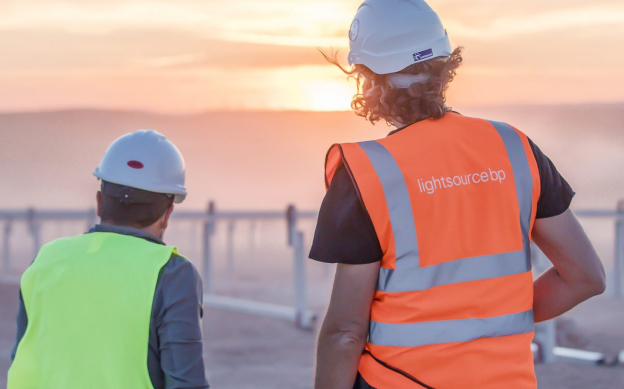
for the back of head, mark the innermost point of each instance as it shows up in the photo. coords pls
(126, 206)
(402, 61)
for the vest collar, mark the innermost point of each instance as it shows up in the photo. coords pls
(404, 127)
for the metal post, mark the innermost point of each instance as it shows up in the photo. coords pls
(60, 228)
(91, 219)
(34, 231)
(291, 220)
(6, 249)
(301, 319)
(207, 257)
(546, 337)
(619, 251)
(327, 270)
(230, 247)
(252, 240)
(193, 236)
(293, 241)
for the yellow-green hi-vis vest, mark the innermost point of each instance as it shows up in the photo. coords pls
(89, 300)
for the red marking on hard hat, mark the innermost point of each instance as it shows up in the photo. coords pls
(135, 164)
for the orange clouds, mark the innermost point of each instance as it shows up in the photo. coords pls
(180, 56)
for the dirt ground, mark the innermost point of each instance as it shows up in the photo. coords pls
(249, 352)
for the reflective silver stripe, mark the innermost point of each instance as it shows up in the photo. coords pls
(450, 331)
(467, 269)
(398, 201)
(408, 276)
(522, 177)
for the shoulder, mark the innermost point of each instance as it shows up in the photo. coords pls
(52, 251)
(353, 156)
(179, 267)
(179, 284)
(61, 243)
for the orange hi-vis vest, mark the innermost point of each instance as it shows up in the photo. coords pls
(453, 203)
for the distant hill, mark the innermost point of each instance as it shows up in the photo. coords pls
(269, 159)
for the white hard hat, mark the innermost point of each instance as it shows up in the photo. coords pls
(389, 35)
(144, 160)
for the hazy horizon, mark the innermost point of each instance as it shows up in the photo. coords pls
(346, 110)
(266, 160)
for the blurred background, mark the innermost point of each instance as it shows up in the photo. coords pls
(241, 89)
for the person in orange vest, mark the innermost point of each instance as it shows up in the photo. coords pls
(431, 227)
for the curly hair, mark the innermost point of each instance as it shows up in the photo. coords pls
(376, 99)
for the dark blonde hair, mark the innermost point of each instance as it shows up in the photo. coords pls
(376, 99)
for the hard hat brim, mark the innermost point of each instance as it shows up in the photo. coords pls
(178, 193)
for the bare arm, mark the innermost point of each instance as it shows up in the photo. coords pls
(577, 274)
(345, 329)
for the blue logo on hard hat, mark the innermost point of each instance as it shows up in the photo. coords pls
(423, 55)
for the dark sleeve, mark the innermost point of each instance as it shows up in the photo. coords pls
(555, 194)
(177, 315)
(344, 232)
(22, 323)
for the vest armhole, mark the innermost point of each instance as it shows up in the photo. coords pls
(345, 162)
(176, 253)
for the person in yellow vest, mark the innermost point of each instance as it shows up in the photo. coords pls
(431, 227)
(116, 308)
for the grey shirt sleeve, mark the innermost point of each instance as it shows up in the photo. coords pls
(22, 323)
(176, 327)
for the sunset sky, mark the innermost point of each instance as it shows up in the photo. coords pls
(180, 56)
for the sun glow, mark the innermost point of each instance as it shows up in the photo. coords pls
(328, 95)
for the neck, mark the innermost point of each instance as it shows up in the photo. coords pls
(154, 229)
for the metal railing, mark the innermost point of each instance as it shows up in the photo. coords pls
(298, 312)
(545, 349)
